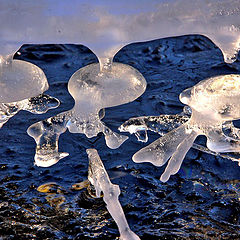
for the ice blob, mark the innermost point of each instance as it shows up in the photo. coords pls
(93, 87)
(21, 88)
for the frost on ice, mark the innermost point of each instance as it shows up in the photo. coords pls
(21, 88)
(214, 105)
(99, 178)
(93, 87)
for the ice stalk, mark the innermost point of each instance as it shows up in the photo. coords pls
(98, 177)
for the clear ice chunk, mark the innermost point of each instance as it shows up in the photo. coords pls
(214, 105)
(98, 177)
(36, 105)
(20, 80)
(93, 87)
(22, 84)
(159, 124)
(46, 134)
(164, 123)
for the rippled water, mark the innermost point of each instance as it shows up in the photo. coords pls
(200, 202)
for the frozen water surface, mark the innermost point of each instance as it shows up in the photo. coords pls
(106, 26)
(214, 102)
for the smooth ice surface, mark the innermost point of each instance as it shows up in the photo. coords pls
(106, 26)
(117, 85)
(21, 88)
(20, 80)
(93, 87)
(99, 178)
(214, 102)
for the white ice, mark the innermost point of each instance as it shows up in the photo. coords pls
(93, 88)
(20, 80)
(99, 178)
(106, 26)
(21, 88)
(214, 102)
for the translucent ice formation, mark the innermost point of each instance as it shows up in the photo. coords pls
(164, 123)
(93, 87)
(213, 102)
(99, 178)
(160, 124)
(106, 26)
(22, 84)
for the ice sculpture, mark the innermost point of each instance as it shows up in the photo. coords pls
(99, 178)
(22, 86)
(105, 26)
(93, 87)
(213, 102)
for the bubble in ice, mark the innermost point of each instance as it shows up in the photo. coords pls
(22, 86)
(93, 87)
(98, 177)
(214, 102)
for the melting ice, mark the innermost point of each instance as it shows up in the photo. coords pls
(22, 86)
(99, 178)
(214, 103)
(93, 88)
(105, 28)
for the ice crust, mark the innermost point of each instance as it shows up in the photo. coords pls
(105, 27)
(93, 87)
(215, 104)
(99, 178)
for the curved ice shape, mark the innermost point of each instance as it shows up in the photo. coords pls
(99, 178)
(105, 27)
(93, 87)
(165, 123)
(20, 80)
(21, 87)
(214, 102)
